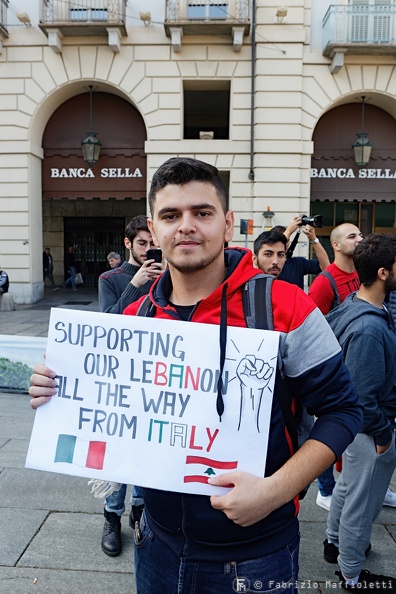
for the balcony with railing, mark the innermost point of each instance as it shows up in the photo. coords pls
(207, 17)
(83, 18)
(359, 29)
(3, 22)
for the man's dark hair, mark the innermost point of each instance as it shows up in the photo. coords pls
(179, 171)
(377, 250)
(279, 228)
(138, 223)
(268, 238)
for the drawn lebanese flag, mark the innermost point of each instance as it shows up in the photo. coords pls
(199, 469)
(81, 452)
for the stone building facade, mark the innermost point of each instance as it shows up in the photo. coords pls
(271, 95)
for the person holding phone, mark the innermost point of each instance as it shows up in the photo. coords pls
(118, 288)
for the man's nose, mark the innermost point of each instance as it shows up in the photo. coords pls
(187, 224)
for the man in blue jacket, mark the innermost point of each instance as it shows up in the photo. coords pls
(365, 331)
(119, 287)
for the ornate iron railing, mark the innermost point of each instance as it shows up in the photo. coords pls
(359, 24)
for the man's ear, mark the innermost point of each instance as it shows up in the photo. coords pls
(150, 226)
(229, 228)
(127, 243)
(383, 274)
(255, 262)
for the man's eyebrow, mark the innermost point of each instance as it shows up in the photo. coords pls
(172, 209)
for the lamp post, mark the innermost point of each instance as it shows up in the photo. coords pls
(90, 146)
(362, 147)
(268, 216)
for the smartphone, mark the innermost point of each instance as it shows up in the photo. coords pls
(154, 254)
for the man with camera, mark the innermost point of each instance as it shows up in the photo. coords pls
(296, 267)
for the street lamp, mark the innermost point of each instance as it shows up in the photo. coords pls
(362, 147)
(90, 146)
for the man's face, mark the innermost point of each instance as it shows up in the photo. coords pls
(190, 226)
(112, 262)
(350, 236)
(141, 243)
(271, 258)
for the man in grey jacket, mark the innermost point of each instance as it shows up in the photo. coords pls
(365, 331)
(118, 288)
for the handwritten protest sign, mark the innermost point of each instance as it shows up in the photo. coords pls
(136, 401)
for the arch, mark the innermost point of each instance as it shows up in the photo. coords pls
(62, 94)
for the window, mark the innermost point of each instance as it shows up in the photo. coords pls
(370, 21)
(206, 108)
(88, 14)
(207, 10)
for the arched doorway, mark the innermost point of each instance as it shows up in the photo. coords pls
(84, 207)
(340, 190)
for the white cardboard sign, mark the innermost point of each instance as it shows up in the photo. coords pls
(136, 401)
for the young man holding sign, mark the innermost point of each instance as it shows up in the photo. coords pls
(246, 539)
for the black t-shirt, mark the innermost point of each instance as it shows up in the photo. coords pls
(296, 268)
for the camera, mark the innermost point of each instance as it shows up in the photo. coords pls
(154, 254)
(314, 221)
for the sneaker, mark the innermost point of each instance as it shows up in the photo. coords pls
(135, 514)
(390, 499)
(330, 552)
(75, 289)
(111, 539)
(323, 501)
(55, 289)
(370, 582)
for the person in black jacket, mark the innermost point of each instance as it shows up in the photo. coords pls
(48, 268)
(4, 282)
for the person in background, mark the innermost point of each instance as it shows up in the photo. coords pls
(119, 287)
(4, 282)
(344, 239)
(270, 252)
(296, 267)
(70, 264)
(197, 543)
(114, 259)
(48, 267)
(366, 333)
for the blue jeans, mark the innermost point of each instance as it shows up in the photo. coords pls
(326, 482)
(115, 503)
(159, 569)
(70, 280)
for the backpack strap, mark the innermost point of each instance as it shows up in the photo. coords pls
(257, 302)
(330, 278)
(257, 306)
(146, 308)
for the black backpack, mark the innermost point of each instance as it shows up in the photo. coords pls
(257, 308)
(336, 300)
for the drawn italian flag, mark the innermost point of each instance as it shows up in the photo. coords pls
(199, 468)
(73, 450)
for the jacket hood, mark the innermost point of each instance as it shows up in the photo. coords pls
(352, 310)
(239, 269)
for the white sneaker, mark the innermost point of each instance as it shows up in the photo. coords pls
(390, 499)
(324, 501)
